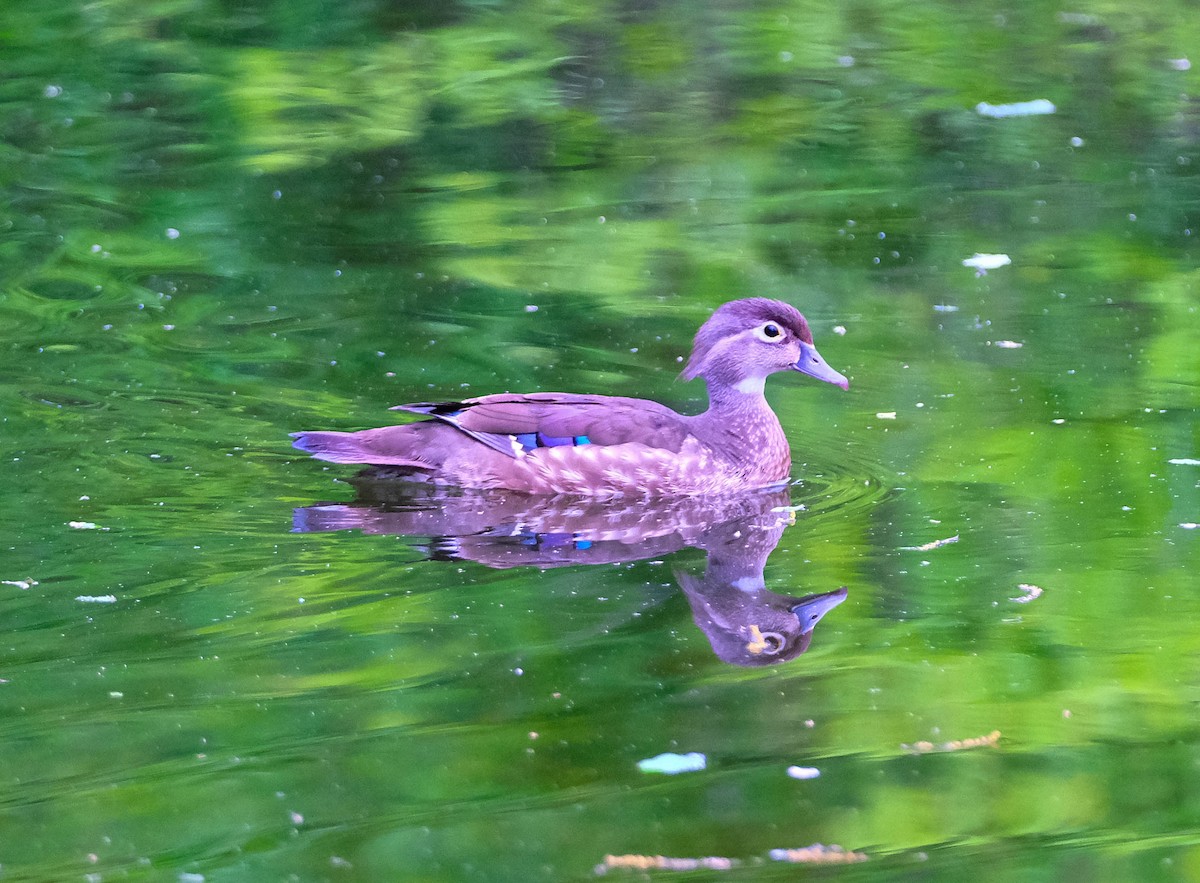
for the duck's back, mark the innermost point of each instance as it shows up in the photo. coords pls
(559, 419)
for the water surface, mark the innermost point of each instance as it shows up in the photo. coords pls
(223, 225)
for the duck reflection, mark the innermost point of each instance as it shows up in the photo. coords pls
(745, 623)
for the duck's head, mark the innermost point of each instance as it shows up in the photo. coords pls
(744, 341)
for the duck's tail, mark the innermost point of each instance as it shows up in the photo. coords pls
(374, 447)
(336, 447)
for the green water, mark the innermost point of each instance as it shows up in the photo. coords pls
(221, 223)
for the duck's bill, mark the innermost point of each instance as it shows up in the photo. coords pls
(811, 363)
(811, 608)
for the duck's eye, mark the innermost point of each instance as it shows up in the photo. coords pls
(774, 643)
(770, 332)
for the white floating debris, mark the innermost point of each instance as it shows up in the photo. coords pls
(97, 599)
(839, 330)
(886, 415)
(172, 233)
(981, 262)
(803, 772)
(670, 764)
(1037, 107)
(1184, 461)
(1009, 344)
(1179, 64)
(1031, 592)
(82, 525)
(929, 547)
(1189, 525)
(818, 854)
(945, 308)
(115, 694)
(19, 583)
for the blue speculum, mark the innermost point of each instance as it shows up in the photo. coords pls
(531, 440)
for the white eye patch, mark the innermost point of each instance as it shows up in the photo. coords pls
(770, 332)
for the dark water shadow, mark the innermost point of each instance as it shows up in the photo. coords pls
(745, 623)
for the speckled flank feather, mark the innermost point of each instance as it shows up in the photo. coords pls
(608, 446)
(630, 469)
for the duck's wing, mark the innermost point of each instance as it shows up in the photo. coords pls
(516, 424)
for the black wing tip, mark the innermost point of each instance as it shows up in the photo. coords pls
(435, 409)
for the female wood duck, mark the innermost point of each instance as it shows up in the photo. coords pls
(608, 446)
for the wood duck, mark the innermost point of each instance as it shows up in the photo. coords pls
(610, 446)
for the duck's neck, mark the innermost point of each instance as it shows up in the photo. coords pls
(741, 425)
(737, 400)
